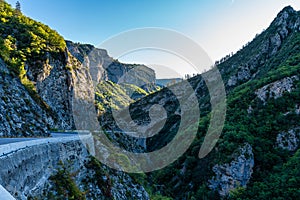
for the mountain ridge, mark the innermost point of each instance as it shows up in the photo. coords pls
(256, 157)
(268, 65)
(39, 58)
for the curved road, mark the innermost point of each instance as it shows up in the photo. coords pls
(53, 135)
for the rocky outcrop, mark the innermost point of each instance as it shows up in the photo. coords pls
(286, 23)
(242, 75)
(20, 115)
(233, 175)
(95, 59)
(276, 89)
(289, 140)
(297, 109)
(55, 84)
(103, 67)
(283, 21)
(125, 188)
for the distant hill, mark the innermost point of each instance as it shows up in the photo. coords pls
(168, 81)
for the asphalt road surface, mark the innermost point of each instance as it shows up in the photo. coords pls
(14, 140)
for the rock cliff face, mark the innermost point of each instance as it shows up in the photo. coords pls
(232, 175)
(54, 78)
(20, 114)
(55, 83)
(289, 140)
(286, 23)
(276, 89)
(104, 67)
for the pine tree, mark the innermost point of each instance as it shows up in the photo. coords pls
(18, 6)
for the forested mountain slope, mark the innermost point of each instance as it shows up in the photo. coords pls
(256, 155)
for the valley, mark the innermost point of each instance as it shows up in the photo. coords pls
(53, 89)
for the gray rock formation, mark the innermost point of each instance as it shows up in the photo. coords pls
(55, 77)
(285, 24)
(276, 89)
(55, 84)
(232, 175)
(124, 188)
(104, 67)
(20, 115)
(289, 140)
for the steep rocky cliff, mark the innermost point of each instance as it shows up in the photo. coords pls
(54, 84)
(103, 67)
(263, 50)
(37, 57)
(235, 174)
(20, 115)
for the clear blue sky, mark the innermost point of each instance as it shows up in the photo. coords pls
(219, 26)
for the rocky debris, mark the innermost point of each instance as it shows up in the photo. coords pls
(119, 186)
(289, 140)
(20, 114)
(232, 175)
(276, 89)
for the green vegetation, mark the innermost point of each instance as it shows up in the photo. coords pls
(110, 95)
(105, 185)
(282, 183)
(24, 41)
(159, 197)
(276, 171)
(65, 186)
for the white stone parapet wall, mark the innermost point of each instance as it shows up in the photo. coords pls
(26, 166)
